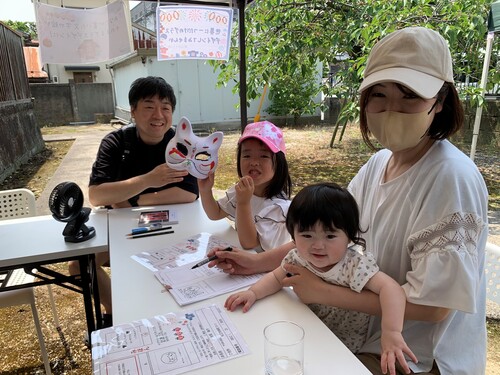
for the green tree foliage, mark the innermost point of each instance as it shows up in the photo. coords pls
(287, 37)
(292, 94)
(27, 28)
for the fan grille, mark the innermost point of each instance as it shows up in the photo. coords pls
(66, 201)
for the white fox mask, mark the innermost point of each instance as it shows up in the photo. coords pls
(187, 151)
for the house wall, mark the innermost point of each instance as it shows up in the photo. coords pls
(195, 87)
(69, 103)
(93, 99)
(52, 103)
(57, 70)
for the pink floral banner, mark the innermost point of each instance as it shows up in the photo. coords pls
(193, 32)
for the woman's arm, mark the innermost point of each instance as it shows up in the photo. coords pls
(240, 262)
(311, 289)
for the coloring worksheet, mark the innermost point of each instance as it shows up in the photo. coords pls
(189, 285)
(190, 250)
(171, 344)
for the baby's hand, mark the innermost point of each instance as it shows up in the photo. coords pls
(246, 298)
(394, 348)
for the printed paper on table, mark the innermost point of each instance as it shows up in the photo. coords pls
(82, 36)
(193, 32)
(192, 249)
(192, 285)
(174, 343)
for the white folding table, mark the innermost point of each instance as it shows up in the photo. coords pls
(136, 294)
(35, 242)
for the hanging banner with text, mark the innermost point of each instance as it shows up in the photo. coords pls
(81, 36)
(193, 32)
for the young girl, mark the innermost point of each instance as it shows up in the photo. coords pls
(259, 201)
(323, 221)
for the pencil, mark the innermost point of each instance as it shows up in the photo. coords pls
(150, 234)
(145, 230)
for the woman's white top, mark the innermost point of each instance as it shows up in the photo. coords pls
(427, 229)
(269, 216)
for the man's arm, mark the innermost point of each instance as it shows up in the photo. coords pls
(118, 192)
(167, 196)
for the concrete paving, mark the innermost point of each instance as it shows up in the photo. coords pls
(76, 165)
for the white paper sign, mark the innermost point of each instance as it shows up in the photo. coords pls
(193, 32)
(82, 36)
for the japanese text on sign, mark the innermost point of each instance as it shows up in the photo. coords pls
(193, 32)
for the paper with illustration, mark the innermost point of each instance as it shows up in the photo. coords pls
(171, 344)
(192, 249)
(189, 285)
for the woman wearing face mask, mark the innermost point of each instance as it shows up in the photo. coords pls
(424, 205)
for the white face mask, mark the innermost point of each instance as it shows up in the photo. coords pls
(197, 155)
(398, 131)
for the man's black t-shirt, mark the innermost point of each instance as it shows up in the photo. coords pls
(123, 155)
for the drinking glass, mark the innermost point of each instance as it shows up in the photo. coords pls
(284, 348)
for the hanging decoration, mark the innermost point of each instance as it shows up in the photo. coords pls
(193, 32)
(80, 36)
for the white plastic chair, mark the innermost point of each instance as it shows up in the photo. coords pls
(18, 203)
(492, 270)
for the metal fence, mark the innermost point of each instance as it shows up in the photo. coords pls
(495, 91)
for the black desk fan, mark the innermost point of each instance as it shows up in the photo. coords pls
(65, 203)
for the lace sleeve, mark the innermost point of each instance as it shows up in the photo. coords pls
(444, 263)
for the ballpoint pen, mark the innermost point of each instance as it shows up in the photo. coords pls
(209, 259)
(146, 230)
(142, 235)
